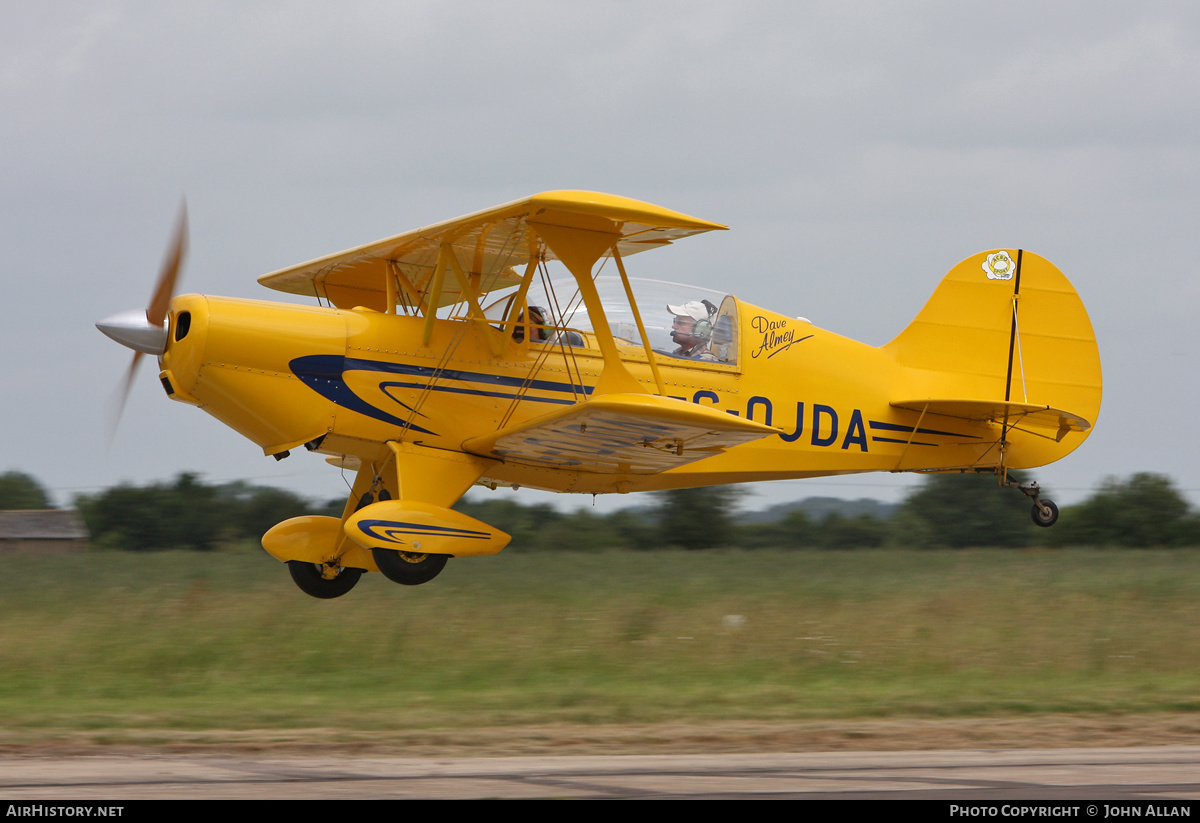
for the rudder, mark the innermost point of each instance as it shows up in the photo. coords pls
(1005, 326)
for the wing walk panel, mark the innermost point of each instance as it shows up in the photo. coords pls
(621, 434)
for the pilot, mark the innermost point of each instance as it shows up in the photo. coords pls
(539, 333)
(692, 329)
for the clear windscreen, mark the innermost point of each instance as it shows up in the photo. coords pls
(686, 322)
(711, 315)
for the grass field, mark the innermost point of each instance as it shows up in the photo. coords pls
(108, 645)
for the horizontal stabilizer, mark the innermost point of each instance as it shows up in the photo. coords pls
(998, 411)
(620, 434)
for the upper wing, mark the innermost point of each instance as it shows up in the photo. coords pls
(486, 245)
(620, 434)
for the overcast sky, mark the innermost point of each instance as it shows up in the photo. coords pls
(857, 151)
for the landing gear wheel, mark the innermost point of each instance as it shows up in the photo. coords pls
(409, 568)
(310, 578)
(1045, 513)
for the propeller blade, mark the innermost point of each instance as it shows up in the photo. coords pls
(116, 405)
(146, 335)
(156, 312)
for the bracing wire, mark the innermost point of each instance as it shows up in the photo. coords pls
(500, 261)
(1020, 358)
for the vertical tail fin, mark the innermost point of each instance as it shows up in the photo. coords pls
(1005, 332)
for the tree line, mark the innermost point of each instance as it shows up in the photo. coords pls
(182, 513)
(946, 510)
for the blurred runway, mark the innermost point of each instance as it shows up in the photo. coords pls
(1148, 775)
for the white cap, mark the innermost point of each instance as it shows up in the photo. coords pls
(693, 309)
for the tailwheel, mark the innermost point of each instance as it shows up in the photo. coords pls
(1045, 513)
(325, 581)
(409, 568)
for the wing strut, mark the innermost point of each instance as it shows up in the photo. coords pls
(579, 249)
(518, 303)
(435, 293)
(412, 295)
(637, 315)
(543, 351)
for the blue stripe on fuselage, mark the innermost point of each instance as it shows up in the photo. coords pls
(325, 374)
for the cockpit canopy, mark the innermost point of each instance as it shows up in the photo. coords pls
(681, 321)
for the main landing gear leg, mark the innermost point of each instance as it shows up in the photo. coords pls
(405, 568)
(412, 532)
(1045, 513)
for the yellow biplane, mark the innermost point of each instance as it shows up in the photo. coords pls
(454, 355)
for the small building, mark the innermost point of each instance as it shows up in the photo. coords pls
(42, 531)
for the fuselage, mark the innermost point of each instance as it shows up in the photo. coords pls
(345, 382)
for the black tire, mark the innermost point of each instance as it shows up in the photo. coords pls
(408, 568)
(1045, 519)
(308, 577)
